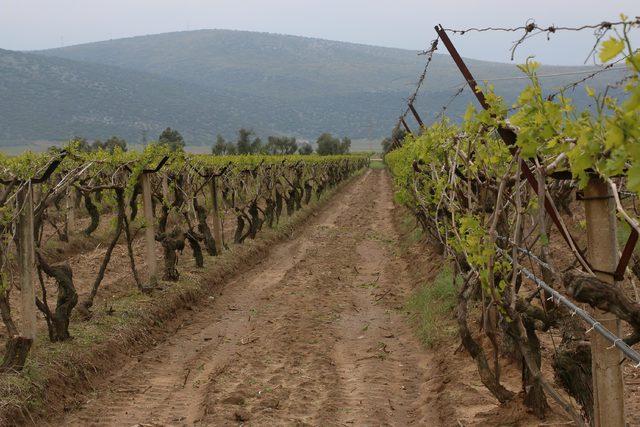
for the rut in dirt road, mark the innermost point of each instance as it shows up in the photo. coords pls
(312, 335)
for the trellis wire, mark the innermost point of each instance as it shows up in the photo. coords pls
(532, 29)
(575, 310)
(429, 52)
(531, 26)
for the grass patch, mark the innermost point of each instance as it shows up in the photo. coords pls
(369, 285)
(380, 237)
(377, 164)
(430, 307)
(413, 232)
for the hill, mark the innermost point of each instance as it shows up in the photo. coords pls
(215, 81)
(53, 99)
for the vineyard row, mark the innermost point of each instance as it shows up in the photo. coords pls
(173, 199)
(491, 188)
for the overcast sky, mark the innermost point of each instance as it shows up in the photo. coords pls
(39, 24)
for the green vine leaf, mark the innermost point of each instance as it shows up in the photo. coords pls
(610, 49)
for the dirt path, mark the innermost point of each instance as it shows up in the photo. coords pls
(314, 335)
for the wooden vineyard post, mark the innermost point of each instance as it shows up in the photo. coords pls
(217, 226)
(149, 232)
(602, 254)
(26, 259)
(70, 204)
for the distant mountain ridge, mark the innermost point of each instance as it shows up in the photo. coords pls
(46, 98)
(278, 65)
(214, 81)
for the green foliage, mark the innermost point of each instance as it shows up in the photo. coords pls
(377, 164)
(172, 139)
(611, 49)
(245, 145)
(276, 145)
(328, 144)
(397, 135)
(604, 140)
(305, 149)
(222, 147)
(281, 145)
(110, 145)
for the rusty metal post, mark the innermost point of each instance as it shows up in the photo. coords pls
(406, 126)
(416, 115)
(602, 253)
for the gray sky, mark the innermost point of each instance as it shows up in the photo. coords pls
(38, 24)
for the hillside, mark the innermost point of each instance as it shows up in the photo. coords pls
(55, 99)
(282, 66)
(215, 81)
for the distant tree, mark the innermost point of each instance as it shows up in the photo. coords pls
(220, 147)
(305, 149)
(114, 142)
(231, 148)
(256, 146)
(345, 145)
(386, 144)
(245, 145)
(281, 145)
(83, 144)
(244, 141)
(108, 145)
(172, 139)
(328, 144)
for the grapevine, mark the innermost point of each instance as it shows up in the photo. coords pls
(467, 190)
(107, 185)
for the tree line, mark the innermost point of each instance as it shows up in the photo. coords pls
(246, 143)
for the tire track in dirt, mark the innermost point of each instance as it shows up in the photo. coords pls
(313, 335)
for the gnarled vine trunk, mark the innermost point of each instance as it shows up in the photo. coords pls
(487, 377)
(94, 214)
(572, 365)
(203, 228)
(86, 305)
(196, 248)
(58, 321)
(171, 243)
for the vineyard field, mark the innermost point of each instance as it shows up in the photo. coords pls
(480, 268)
